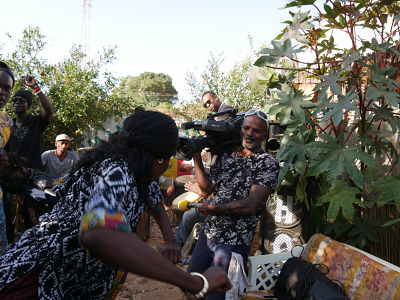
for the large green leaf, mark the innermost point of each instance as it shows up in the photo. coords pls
(391, 222)
(391, 97)
(335, 158)
(299, 3)
(299, 23)
(292, 153)
(301, 192)
(387, 114)
(388, 190)
(290, 103)
(365, 229)
(342, 198)
(349, 59)
(330, 81)
(273, 55)
(337, 108)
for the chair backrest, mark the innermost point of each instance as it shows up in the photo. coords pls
(264, 269)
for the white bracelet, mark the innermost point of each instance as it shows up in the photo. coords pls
(204, 290)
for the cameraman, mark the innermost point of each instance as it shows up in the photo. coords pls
(214, 105)
(241, 182)
(210, 101)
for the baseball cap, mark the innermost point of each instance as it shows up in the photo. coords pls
(63, 137)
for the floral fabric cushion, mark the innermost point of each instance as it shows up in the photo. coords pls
(361, 276)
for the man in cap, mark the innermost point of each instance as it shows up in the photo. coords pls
(60, 161)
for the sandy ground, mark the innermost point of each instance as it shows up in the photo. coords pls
(141, 288)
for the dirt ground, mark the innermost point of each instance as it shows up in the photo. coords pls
(141, 288)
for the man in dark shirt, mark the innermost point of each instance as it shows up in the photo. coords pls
(27, 130)
(211, 101)
(241, 182)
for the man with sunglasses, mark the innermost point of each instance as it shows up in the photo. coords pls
(210, 101)
(240, 182)
(27, 130)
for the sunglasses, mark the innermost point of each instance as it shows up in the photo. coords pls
(259, 114)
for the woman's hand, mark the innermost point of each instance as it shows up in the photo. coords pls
(217, 279)
(172, 252)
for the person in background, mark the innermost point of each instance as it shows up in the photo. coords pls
(240, 183)
(85, 246)
(25, 200)
(27, 130)
(57, 163)
(214, 105)
(7, 81)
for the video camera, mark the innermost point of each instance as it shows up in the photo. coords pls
(221, 136)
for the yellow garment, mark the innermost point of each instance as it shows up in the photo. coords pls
(5, 129)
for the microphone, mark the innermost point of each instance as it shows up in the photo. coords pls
(185, 205)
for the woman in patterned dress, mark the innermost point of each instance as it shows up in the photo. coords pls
(6, 84)
(82, 248)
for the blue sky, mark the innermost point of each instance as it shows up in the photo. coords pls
(171, 37)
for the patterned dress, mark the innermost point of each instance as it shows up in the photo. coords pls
(233, 176)
(5, 130)
(103, 195)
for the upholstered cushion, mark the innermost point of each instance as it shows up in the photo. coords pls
(362, 277)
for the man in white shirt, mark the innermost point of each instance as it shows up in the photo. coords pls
(60, 161)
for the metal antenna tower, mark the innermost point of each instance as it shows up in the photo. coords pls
(85, 43)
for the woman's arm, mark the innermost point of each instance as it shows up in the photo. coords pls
(172, 250)
(124, 250)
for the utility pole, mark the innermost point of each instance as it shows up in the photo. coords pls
(85, 42)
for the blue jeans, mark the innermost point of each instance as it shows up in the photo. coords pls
(189, 219)
(206, 254)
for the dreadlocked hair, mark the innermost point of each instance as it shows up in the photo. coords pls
(144, 137)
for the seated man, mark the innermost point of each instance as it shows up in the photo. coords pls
(240, 182)
(28, 194)
(190, 217)
(59, 162)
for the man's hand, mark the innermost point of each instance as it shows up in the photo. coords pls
(197, 158)
(3, 160)
(30, 81)
(205, 207)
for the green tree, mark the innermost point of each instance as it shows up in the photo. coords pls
(234, 87)
(146, 90)
(341, 130)
(80, 94)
